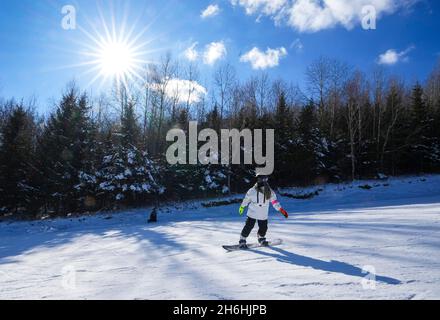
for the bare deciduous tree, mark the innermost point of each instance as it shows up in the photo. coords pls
(224, 81)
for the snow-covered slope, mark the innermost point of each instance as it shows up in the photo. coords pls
(328, 241)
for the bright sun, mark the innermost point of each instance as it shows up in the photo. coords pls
(116, 59)
(114, 53)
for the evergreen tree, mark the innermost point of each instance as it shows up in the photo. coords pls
(422, 144)
(130, 129)
(18, 191)
(128, 176)
(66, 153)
(310, 154)
(284, 146)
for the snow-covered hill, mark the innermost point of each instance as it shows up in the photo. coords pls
(330, 244)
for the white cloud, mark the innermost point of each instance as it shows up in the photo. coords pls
(210, 55)
(392, 57)
(186, 89)
(263, 60)
(191, 53)
(211, 11)
(214, 52)
(267, 7)
(182, 90)
(316, 15)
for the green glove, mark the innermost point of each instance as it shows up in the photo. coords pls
(241, 210)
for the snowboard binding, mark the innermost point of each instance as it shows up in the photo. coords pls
(263, 242)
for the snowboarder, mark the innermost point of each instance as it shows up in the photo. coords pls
(258, 199)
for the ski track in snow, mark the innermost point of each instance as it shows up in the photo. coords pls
(327, 242)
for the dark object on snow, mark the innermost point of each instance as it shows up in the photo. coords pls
(153, 216)
(366, 187)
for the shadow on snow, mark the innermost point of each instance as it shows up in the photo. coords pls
(328, 266)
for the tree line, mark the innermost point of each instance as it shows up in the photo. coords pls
(107, 152)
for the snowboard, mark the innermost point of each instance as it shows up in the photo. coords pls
(236, 247)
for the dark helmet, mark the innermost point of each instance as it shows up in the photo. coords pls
(262, 177)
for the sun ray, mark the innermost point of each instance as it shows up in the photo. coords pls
(114, 51)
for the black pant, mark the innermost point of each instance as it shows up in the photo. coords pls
(250, 224)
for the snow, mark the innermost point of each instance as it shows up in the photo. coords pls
(393, 228)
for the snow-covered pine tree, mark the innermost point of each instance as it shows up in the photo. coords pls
(127, 175)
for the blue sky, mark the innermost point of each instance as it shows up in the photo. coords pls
(38, 57)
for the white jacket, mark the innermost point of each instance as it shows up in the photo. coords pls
(258, 205)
